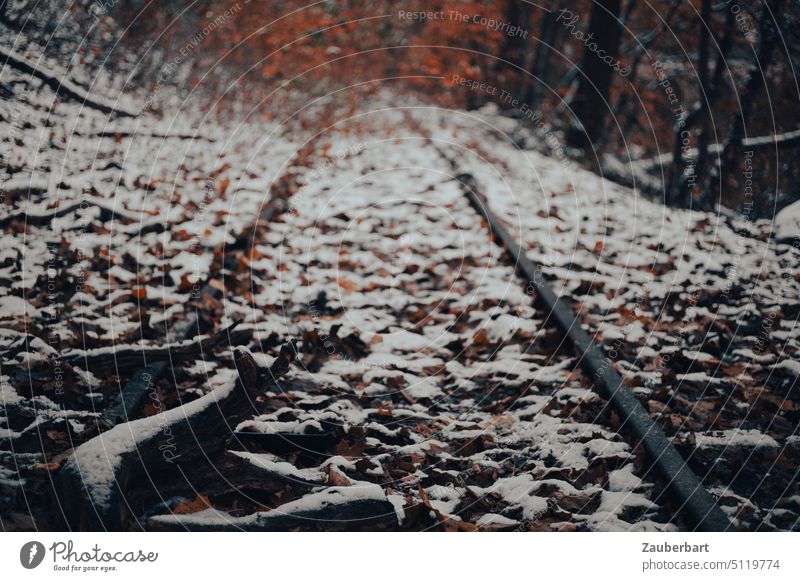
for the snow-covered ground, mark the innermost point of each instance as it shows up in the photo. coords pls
(446, 390)
(700, 311)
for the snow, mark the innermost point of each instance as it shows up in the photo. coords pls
(10, 478)
(266, 426)
(316, 501)
(423, 387)
(11, 307)
(387, 235)
(699, 356)
(66, 84)
(98, 459)
(787, 222)
(444, 499)
(401, 341)
(623, 480)
(490, 519)
(735, 437)
(577, 395)
(698, 376)
(790, 365)
(275, 465)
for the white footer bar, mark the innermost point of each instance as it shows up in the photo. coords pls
(399, 556)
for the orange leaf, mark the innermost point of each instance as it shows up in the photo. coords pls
(196, 505)
(481, 337)
(348, 285)
(336, 477)
(223, 185)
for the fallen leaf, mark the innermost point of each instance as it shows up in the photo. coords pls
(348, 285)
(196, 505)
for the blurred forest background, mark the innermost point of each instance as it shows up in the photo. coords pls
(694, 102)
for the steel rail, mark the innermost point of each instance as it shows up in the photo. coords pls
(694, 502)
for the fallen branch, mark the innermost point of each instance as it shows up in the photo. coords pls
(115, 477)
(45, 218)
(62, 85)
(285, 443)
(111, 133)
(124, 357)
(360, 507)
(781, 141)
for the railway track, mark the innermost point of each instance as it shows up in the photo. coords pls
(112, 262)
(372, 360)
(700, 508)
(134, 394)
(430, 392)
(657, 292)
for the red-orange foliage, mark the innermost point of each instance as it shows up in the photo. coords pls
(282, 55)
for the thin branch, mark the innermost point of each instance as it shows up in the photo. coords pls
(62, 85)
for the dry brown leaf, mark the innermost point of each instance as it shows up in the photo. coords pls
(190, 506)
(481, 338)
(336, 477)
(348, 285)
(217, 284)
(49, 467)
(223, 185)
(448, 524)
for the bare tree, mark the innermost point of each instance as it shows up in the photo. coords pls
(681, 182)
(539, 68)
(601, 47)
(754, 83)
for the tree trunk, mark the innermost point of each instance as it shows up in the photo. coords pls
(676, 189)
(540, 67)
(699, 170)
(601, 46)
(515, 48)
(769, 35)
(518, 15)
(627, 106)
